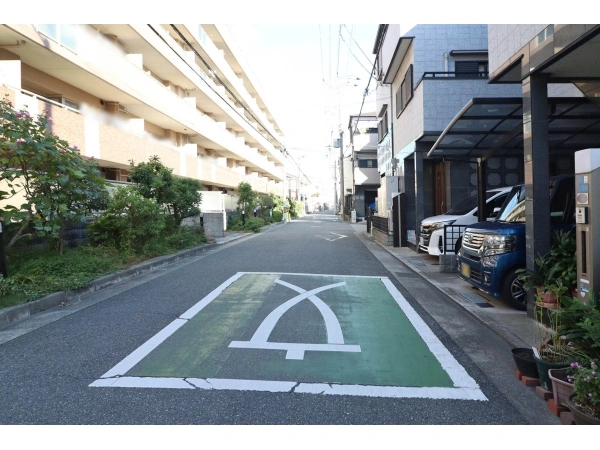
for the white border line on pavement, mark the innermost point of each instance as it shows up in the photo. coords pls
(457, 373)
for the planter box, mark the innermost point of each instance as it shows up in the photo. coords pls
(561, 388)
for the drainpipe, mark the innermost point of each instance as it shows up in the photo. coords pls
(446, 63)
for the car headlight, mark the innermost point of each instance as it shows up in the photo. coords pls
(436, 225)
(498, 244)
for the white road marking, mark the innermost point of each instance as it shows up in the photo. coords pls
(334, 330)
(300, 388)
(296, 348)
(327, 238)
(335, 337)
(142, 351)
(456, 372)
(143, 382)
(466, 388)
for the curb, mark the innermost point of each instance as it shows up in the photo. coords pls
(19, 312)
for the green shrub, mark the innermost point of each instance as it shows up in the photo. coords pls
(129, 221)
(234, 224)
(254, 224)
(277, 216)
(47, 272)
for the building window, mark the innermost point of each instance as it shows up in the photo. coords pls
(471, 69)
(547, 33)
(382, 127)
(405, 92)
(64, 34)
(367, 163)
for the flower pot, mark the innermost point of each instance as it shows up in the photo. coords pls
(581, 418)
(561, 388)
(525, 363)
(547, 298)
(543, 367)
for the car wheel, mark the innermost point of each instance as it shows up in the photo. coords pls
(513, 291)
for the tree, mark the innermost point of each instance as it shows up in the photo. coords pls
(246, 199)
(59, 185)
(179, 197)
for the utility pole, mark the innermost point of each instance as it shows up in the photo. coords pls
(283, 183)
(342, 190)
(335, 193)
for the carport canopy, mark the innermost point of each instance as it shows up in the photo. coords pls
(488, 127)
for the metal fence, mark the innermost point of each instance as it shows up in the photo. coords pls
(451, 234)
(381, 224)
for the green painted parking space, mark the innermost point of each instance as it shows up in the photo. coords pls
(300, 330)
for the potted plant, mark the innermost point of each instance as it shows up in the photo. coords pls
(525, 362)
(553, 350)
(579, 326)
(555, 273)
(584, 403)
(562, 385)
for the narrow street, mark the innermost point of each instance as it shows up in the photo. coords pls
(310, 322)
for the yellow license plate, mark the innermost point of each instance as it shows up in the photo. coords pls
(465, 269)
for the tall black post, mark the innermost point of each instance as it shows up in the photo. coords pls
(537, 176)
(481, 189)
(396, 220)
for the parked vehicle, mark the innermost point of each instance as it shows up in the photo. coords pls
(431, 234)
(492, 252)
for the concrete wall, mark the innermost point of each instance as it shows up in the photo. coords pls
(214, 224)
(382, 238)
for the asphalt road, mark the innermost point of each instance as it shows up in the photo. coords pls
(49, 361)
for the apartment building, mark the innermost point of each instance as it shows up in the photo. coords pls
(362, 130)
(425, 77)
(123, 92)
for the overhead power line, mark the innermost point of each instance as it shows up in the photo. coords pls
(352, 53)
(359, 47)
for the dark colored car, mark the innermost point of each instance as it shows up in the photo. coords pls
(492, 252)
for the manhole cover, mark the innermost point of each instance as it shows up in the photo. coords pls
(407, 275)
(417, 262)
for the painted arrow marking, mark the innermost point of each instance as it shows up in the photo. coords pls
(328, 238)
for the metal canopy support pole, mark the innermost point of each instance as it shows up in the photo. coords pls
(481, 188)
(419, 192)
(536, 168)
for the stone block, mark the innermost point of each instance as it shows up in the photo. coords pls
(556, 409)
(543, 393)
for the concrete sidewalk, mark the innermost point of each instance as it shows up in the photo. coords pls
(515, 327)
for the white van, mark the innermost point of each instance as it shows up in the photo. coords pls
(431, 236)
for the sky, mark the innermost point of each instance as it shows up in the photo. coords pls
(313, 77)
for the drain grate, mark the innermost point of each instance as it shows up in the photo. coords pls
(478, 300)
(475, 298)
(417, 262)
(407, 275)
